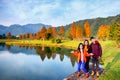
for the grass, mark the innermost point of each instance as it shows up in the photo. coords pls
(111, 54)
(111, 58)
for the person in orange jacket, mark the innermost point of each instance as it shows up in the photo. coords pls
(86, 47)
(81, 58)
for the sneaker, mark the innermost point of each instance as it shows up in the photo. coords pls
(97, 74)
(92, 73)
(78, 74)
(86, 75)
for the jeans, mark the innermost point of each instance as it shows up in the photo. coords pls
(81, 65)
(95, 61)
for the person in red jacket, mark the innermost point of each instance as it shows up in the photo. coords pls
(96, 49)
(81, 58)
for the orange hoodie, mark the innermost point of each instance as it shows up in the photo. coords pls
(85, 54)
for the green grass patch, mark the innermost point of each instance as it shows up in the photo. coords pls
(111, 58)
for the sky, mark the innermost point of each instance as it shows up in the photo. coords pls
(55, 12)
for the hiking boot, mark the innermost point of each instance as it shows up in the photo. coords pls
(86, 75)
(97, 74)
(78, 74)
(92, 73)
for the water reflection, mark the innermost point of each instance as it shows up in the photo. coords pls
(35, 62)
(42, 51)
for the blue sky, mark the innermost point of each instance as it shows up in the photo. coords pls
(55, 12)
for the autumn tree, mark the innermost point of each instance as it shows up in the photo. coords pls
(73, 30)
(103, 31)
(62, 30)
(20, 36)
(43, 32)
(79, 32)
(23, 36)
(54, 32)
(8, 35)
(38, 35)
(27, 35)
(87, 30)
(31, 36)
(49, 30)
(49, 33)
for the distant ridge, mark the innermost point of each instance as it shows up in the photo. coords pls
(17, 29)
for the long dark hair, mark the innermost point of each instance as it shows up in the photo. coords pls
(79, 46)
(88, 43)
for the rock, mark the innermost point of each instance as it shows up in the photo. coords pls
(82, 77)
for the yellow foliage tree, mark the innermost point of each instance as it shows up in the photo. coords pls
(103, 31)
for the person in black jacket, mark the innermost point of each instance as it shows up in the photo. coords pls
(86, 48)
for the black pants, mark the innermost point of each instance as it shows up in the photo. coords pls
(87, 64)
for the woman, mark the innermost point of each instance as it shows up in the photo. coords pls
(81, 57)
(86, 47)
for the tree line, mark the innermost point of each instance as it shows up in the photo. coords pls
(76, 31)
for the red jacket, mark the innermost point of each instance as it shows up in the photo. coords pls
(95, 49)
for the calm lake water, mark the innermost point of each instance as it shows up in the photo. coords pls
(35, 63)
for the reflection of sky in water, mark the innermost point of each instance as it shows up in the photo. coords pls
(22, 66)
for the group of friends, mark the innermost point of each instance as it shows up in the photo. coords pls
(84, 53)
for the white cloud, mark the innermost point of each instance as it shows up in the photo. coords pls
(57, 12)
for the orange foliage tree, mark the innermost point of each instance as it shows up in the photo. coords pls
(54, 32)
(79, 32)
(8, 35)
(49, 30)
(23, 36)
(43, 32)
(31, 36)
(103, 31)
(62, 30)
(26, 35)
(87, 30)
(20, 36)
(73, 30)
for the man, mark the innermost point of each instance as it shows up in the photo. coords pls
(96, 49)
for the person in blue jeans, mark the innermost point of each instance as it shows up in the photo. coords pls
(81, 58)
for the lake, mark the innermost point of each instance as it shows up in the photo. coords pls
(35, 63)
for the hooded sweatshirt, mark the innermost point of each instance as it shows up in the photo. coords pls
(96, 49)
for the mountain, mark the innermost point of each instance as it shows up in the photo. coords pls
(17, 29)
(95, 23)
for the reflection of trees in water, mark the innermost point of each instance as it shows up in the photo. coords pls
(2, 44)
(61, 57)
(26, 47)
(53, 55)
(50, 52)
(40, 52)
(31, 47)
(8, 47)
(73, 60)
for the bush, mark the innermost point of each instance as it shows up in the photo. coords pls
(53, 40)
(58, 41)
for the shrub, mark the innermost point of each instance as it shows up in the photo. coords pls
(58, 41)
(53, 40)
